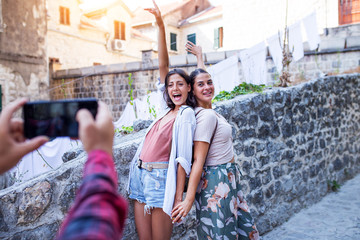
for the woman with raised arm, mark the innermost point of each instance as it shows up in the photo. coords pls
(163, 158)
(214, 183)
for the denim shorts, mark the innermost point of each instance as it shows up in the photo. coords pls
(148, 187)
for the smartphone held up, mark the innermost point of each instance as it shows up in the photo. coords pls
(55, 118)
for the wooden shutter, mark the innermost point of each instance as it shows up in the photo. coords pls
(173, 42)
(116, 30)
(349, 11)
(192, 38)
(122, 28)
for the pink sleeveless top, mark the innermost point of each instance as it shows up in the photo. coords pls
(157, 143)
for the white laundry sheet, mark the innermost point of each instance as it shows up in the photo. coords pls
(225, 74)
(311, 29)
(274, 43)
(295, 41)
(141, 106)
(33, 164)
(253, 61)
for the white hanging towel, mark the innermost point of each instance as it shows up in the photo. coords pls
(127, 117)
(225, 74)
(253, 61)
(32, 164)
(274, 43)
(141, 108)
(295, 41)
(311, 30)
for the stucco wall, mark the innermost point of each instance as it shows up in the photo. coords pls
(288, 143)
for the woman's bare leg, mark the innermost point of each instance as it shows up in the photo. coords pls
(142, 222)
(161, 225)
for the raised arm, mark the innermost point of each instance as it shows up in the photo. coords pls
(162, 47)
(197, 51)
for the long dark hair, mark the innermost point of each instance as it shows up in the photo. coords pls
(190, 100)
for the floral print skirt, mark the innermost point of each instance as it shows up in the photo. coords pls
(221, 209)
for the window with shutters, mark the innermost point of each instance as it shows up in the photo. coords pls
(64, 15)
(349, 11)
(218, 37)
(173, 43)
(119, 30)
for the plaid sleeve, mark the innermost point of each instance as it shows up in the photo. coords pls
(99, 212)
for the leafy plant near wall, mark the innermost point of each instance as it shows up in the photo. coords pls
(333, 185)
(124, 130)
(241, 89)
(62, 87)
(151, 108)
(131, 92)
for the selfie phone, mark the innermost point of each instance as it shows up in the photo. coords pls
(55, 118)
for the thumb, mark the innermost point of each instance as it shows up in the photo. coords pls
(32, 145)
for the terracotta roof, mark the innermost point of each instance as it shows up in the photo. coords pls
(144, 17)
(207, 13)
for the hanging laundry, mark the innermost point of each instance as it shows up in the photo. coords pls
(253, 61)
(127, 117)
(274, 43)
(225, 74)
(33, 163)
(311, 30)
(295, 41)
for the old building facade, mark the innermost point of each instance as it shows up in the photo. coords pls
(23, 62)
(85, 33)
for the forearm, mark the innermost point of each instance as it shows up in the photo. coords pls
(162, 50)
(194, 180)
(200, 61)
(180, 183)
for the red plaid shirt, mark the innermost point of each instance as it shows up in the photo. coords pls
(99, 212)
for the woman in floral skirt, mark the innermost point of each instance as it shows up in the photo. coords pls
(214, 183)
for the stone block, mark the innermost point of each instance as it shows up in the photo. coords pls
(60, 74)
(75, 72)
(101, 69)
(178, 60)
(115, 68)
(215, 57)
(87, 71)
(133, 66)
(332, 44)
(353, 41)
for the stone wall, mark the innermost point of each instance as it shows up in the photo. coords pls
(288, 142)
(23, 61)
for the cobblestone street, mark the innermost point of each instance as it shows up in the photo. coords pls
(336, 216)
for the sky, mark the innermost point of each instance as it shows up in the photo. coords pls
(133, 4)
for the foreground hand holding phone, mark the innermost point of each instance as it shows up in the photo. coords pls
(98, 133)
(12, 141)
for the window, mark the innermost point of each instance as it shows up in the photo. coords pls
(64, 15)
(218, 37)
(119, 30)
(173, 44)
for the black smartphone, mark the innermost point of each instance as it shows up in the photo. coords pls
(55, 118)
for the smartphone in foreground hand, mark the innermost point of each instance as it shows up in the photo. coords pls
(55, 118)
